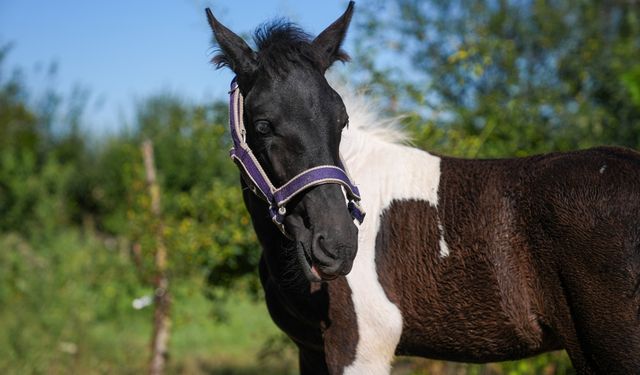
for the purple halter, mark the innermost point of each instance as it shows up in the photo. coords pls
(259, 182)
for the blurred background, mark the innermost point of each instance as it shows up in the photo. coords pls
(83, 84)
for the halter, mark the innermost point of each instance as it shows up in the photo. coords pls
(259, 183)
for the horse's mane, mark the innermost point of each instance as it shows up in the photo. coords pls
(366, 123)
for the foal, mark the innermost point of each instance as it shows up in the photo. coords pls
(462, 260)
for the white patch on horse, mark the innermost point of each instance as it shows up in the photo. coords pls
(444, 248)
(384, 171)
(603, 168)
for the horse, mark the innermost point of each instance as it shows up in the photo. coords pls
(470, 260)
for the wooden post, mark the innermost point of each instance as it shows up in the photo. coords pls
(162, 298)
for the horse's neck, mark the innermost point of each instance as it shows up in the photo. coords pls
(386, 170)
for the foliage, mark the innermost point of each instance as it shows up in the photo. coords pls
(50, 320)
(500, 78)
(74, 216)
(51, 180)
(207, 228)
(65, 307)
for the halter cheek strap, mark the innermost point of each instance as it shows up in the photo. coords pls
(259, 183)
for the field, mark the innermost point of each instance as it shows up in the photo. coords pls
(71, 315)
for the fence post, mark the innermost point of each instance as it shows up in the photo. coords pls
(162, 298)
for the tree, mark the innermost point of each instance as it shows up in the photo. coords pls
(498, 78)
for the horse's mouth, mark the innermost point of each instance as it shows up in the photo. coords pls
(308, 268)
(313, 273)
(313, 269)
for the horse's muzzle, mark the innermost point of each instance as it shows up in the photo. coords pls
(331, 257)
(328, 237)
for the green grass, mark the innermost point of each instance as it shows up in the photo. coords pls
(203, 343)
(65, 308)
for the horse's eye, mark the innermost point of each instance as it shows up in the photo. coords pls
(263, 127)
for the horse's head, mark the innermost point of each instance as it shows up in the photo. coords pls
(293, 122)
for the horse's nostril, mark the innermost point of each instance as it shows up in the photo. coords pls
(325, 245)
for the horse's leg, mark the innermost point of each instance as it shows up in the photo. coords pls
(566, 331)
(608, 330)
(602, 300)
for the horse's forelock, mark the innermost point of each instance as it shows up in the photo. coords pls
(281, 45)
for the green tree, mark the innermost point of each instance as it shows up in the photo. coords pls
(33, 173)
(498, 78)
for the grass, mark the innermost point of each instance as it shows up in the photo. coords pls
(202, 343)
(65, 308)
(199, 344)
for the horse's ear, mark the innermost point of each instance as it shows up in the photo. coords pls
(235, 53)
(328, 43)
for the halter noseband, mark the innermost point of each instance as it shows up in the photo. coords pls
(259, 183)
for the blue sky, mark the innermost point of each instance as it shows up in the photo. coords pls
(123, 51)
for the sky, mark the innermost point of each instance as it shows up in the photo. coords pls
(121, 52)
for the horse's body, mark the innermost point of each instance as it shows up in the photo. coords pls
(475, 261)
(464, 260)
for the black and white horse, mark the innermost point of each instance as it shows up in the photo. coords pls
(461, 260)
